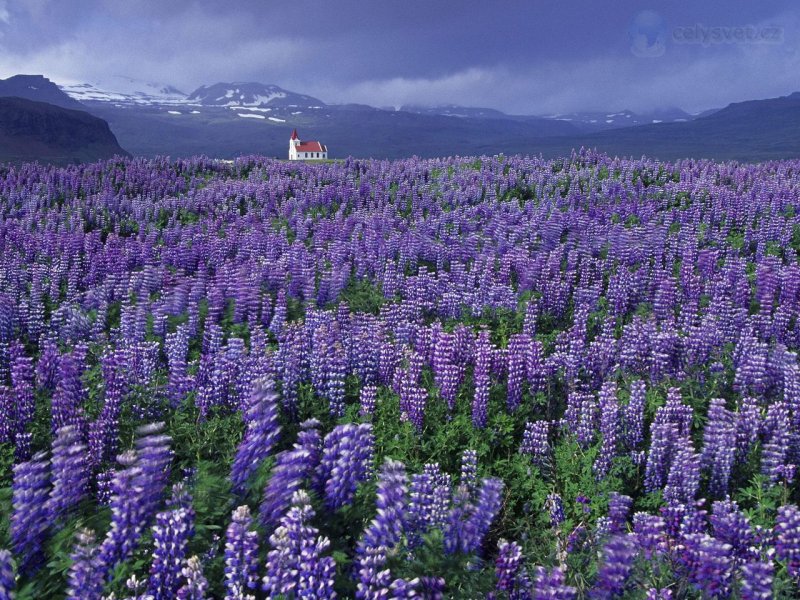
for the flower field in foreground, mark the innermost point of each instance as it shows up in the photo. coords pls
(495, 377)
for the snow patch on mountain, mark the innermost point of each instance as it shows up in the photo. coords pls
(125, 90)
(249, 94)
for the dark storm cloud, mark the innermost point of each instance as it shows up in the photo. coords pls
(522, 56)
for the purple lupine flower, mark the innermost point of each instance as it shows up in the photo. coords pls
(86, 574)
(787, 538)
(659, 594)
(278, 322)
(105, 491)
(367, 398)
(535, 442)
(386, 529)
(22, 378)
(776, 449)
(154, 457)
(616, 566)
(709, 564)
(414, 399)
(30, 518)
(241, 556)
(683, 519)
(469, 521)
(104, 431)
(8, 418)
(126, 520)
(609, 428)
(551, 585)
(683, 480)
(292, 468)
(195, 585)
(8, 581)
(137, 488)
(171, 535)
(22, 448)
(581, 416)
(70, 472)
(176, 347)
(469, 470)
(482, 382)
(672, 423)
(47, 366)
(619, 505)
(261, 434)
(429, 502)
(719, 446)
(518, 350)
(633, 416)
(68, 396)
(650, 531)
(346, 461)
(748, 426)
(756, 581)
(375, 581)
(536, 368)
(510, 570)
(531, 315)
(295, 566)
(334, 386)
(447, 374)
(430, 587)
(732, 526)
(555, 506)
(328, 364)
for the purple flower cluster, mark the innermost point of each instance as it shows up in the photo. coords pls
(503, 303)
(31, 517)
(241, 556)
(86, 575)
(137, 490)
(261, 433)
(296, 567)
(347, 454)
(7, 575)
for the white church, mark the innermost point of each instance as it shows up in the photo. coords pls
(306, 150)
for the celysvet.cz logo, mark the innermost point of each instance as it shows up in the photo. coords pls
(649, 35)
(707, 35)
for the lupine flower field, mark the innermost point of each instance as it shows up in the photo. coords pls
(495, 377)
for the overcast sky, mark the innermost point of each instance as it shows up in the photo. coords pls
(520, 56)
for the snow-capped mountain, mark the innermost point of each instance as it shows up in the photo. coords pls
(125, 90)
(250, 94)
(454, 110)
(625, 118)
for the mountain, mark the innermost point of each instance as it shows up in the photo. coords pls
(38, 88)
(599, 121)
(37, 131)
(453, 110)
(749, 131)
(249, 94)
(357, 130)
(583, 121)
(125, 91)
(229, 119)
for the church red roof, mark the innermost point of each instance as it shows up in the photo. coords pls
(311, 147)
(294, 134)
